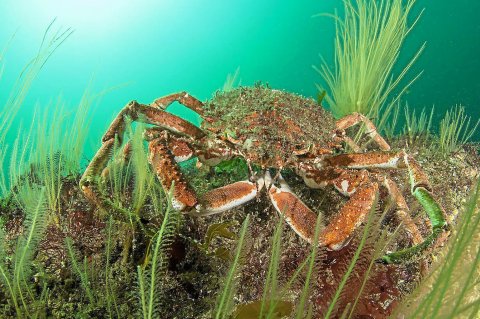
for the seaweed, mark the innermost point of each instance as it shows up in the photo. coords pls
(225, 305)
(150, 275)
(218, 230)
(81, 273)
(15, 277)
(417, 127)
(455, 130)
(300, 307)
(367, 46)
(232, 81)
(451, 288)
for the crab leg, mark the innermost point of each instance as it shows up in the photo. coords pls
(134, 111)
(164, 157)
(420, 189)
(348, 181)
(351, 215)
(355, 118)
(215, 155)
(120, 160)
(169, 174)
(227, 197)
(211, 152)
(179, 147)
(403, 212)
(302, 219)
(367, 160)
(181, 97)
(88, 183)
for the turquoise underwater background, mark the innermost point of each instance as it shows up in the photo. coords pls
(145, 49)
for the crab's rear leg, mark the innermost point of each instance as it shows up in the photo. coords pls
(354, 119)
(420, 189)
(302, 219)
(402, 211)
(89, 179)
(183, 98)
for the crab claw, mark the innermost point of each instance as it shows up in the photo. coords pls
(300, 218)
(227, 197)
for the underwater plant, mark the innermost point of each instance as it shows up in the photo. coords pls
(417, 126)
(455, 129)
(82, 273)
(232, 81)
(274, 302)
(49, 45)
(46, 153)
(451, 289)
(17, 94)
(143, 175)
(367, 46)
(150, 274)
(15, 277)
(225, 301)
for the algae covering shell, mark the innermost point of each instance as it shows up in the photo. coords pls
(269, 125)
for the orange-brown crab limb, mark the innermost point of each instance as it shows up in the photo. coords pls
(169, 175)
(403, 212)
(185, 199)
(302, 219)
(179, 147)
(355, 118)
(227, 197)
(382, 160)
(351, 215)
(138, 112)
(420, 189)
(347, 181)
(211, 152)
(181, 97)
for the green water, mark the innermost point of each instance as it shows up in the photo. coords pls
(146, 49)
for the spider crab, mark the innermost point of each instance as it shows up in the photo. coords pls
(277, 130)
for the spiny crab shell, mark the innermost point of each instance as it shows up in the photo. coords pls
(269, 126)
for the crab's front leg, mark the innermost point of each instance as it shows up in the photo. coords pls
(347, 181)
(114, 135)
(420, 189)
(302, 219)
(164, 156)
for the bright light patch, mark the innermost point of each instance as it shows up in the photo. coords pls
(97, 17)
